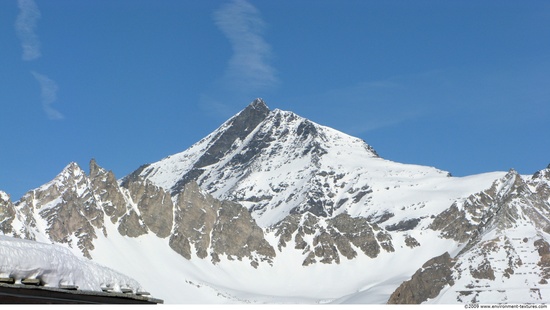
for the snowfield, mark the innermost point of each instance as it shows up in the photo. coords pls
(361, 280)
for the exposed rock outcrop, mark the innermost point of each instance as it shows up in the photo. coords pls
(216, 228)
(426, 283)
(508, 202)
(131, 225)
(7, 213)
(543, 249)
(331, 238)
(155, 206)
(69, 208)
(105, 186)
(411, 242)
(238, 128)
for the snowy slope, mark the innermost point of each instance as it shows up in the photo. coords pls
(288, 164)
(503, 268)
(199, 281)
(504, 254)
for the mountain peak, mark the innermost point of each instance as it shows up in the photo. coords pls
(4, 196)
(71, 170)
(250, 117)
(258, 104)
(227, 136)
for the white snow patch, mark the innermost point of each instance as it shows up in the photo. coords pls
(55, 265)
(4, 196)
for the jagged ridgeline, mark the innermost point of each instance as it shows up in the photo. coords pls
(74, 207)
(288, 197)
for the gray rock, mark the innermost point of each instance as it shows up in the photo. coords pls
(195, 217)
(239, 128)
(216, 228)
(483, 270)
(154, 204)
(404, 225)
(543, 249)
(7, 214)
(360, 233)
(105, 185)
(411, 242)
(509, 201)
(237, 234)
(131, 225)
(338, 237)
(25, 213)
(426, 282)
(69, 208)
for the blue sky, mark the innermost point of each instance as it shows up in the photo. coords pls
(463, 86)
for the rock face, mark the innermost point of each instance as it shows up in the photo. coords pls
(500, 268)
(105, 185)
(499, 228)
(543, 249)
(331, 238)
(216, 228)
(155, 206)
(131, 225)
(509, 202)
(236, 129)
(7, 213)
(69, 208)
(426, 283)
(74, 208)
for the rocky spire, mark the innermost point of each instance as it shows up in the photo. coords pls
(104, 184)
(258, 104)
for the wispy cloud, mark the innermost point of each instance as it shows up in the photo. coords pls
(25, 25)
(249, 67)
(48, 91)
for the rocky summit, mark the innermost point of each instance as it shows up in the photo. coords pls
(272, 207)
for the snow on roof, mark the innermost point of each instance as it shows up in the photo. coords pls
(56, 266)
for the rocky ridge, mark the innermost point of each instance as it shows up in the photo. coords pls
(500, 230)
(215, 228)
(326, 240)
(71, 210)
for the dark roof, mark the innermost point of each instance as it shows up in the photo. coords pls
(32, 294)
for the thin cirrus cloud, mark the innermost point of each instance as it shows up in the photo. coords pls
(249, 67)
(48, 91)
(25, 25)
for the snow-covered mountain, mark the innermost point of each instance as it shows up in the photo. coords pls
(272, 207)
